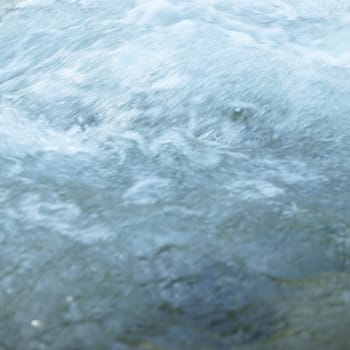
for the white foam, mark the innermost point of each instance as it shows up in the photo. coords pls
(19, 135)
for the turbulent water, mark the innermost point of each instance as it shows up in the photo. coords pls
(174, 174)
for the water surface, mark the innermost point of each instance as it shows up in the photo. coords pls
(174, 174)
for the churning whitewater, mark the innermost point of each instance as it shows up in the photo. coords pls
(174, 174)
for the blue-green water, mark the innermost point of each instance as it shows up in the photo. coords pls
(174, 174)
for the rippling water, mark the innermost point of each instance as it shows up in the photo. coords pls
(174, 174)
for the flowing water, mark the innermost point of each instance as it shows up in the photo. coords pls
(174, 174)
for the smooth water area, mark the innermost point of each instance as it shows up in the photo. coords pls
(174, 174)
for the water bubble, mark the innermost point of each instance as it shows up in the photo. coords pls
(36, 323)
